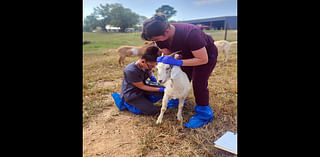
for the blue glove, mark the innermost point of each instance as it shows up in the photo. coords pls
(153, 79)
(161, 89)
(159, 59)
(170, 60)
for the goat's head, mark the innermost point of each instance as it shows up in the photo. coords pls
(166, 71)
(149, 43)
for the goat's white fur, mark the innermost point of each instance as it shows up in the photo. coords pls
(223, 47)
(177, 86)
(134, 52)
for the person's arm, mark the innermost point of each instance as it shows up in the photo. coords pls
(196, 43)
(200, 57)
(144, 87)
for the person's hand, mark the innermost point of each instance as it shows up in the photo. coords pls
(165, 51)
(159, 59)
(169, 60)
(153, 79)
(161, 89)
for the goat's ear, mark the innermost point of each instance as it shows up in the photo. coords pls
(162, 54)
(174, 72)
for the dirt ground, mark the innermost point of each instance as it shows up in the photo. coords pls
(110, 134)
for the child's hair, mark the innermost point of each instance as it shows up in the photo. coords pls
(154, 26)
(151, 54)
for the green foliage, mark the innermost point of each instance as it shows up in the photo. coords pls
(167, 10)
(110, 14)
(90, 23)
(123, 17)
(103, 15)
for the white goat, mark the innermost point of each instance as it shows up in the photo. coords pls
(177, 87)
(224, 46)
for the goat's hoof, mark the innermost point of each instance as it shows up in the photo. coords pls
(158, 121)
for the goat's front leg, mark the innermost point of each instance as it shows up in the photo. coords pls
(179, 114)
(163, 108)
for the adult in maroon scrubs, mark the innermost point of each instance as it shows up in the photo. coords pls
(198, 58)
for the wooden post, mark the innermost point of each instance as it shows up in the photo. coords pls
(225, 28)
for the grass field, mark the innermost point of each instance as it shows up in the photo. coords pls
(102, 76)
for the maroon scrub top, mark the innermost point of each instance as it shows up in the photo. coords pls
(187, 38)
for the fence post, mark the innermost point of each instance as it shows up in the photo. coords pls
(225, 28)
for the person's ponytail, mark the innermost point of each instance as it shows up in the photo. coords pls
(159, 17)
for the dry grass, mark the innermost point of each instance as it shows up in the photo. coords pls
(169, 138)
(97, 70)
(102, 76)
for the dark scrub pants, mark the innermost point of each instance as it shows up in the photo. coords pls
(144, 104)
(199, 76)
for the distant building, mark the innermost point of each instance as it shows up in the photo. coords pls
(129, 30)
(98, 29)
(217, 23)
(109, 28)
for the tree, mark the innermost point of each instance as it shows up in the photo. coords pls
(138, 26)
(167, 10)
(102, 14)
(99, 18)
(112, 14)
(123, 17)
(141, 19)
(90, 23)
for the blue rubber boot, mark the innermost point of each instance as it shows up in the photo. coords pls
(118, 101)
(132, 108)
(153, 98)
(173, 103)
(203, 116)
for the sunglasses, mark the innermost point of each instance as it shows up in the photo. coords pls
(150, 66)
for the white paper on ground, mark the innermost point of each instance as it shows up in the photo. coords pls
(227, 142)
